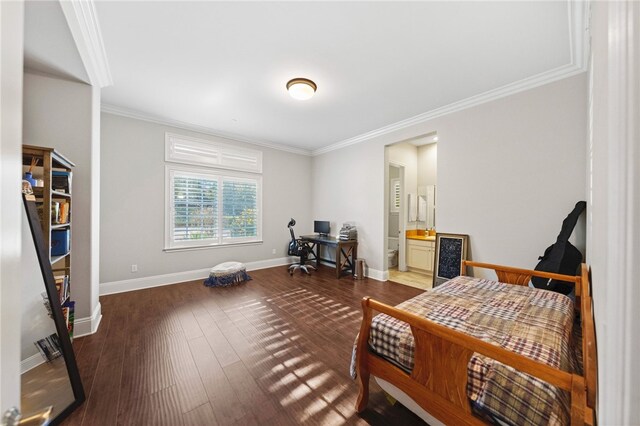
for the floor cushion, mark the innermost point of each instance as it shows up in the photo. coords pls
(226, 274)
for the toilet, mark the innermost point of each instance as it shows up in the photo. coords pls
(392, 252)
(392, 256)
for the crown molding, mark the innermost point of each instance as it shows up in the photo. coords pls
(578, 22)
(491, 95)
(85, 30)
(125, 112)
(579, 33)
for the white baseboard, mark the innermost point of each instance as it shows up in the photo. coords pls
(32, 362)
(88, 325)
(114, 287)
(377, 274)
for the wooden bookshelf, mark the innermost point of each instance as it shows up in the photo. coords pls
(49, 195)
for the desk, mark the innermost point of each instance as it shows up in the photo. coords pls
(346, 252)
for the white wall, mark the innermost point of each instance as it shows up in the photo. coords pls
(349, 185)
(428, 164)
(62, 114)
(133, 204)
(11, 63)
(509, 171)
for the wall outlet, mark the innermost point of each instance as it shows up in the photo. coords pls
(273, 251)
(134, 268)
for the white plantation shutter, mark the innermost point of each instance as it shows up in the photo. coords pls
(217, 205)
(200, 152)
(239, 208)
(194, 207)
(395, 196)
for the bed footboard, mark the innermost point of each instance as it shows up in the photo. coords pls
(438, 380)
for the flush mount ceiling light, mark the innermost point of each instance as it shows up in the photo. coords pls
(301, 88)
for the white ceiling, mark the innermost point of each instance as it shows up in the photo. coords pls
(223, 66)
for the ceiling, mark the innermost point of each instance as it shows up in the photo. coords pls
(223, 66)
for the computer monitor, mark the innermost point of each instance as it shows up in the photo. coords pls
(321, 227)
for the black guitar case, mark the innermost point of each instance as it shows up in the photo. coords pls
(562, 257)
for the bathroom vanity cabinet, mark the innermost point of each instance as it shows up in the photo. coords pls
(421, 253)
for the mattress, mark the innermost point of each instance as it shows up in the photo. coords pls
(532, 322)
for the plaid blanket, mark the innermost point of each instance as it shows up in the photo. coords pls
(534, 323)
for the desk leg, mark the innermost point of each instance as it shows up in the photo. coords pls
(338, 263)
(316, 252)
(354, 256)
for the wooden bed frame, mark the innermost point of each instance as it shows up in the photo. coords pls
(438, 382)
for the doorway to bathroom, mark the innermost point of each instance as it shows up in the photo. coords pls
(396, 228)
(410, 213)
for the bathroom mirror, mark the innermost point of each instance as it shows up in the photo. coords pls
(49, 374)
(431, 206)
(426, 206)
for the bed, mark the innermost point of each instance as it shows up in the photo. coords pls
(477, 351)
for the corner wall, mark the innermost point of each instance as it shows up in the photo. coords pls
(509, 171)
(61, 114)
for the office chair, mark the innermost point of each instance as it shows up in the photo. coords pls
(298, 247)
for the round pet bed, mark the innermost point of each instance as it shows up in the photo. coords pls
(226, 274)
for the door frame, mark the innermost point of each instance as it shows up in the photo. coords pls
(11, 76)
(402, 223)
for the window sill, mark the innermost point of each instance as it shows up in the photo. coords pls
(211, 246)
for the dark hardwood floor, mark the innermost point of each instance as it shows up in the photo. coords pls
(272, 351)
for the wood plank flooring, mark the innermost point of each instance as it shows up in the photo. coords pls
(273, 351)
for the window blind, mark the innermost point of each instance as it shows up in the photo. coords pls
(195, 208)
(239, 208)
(395, 196)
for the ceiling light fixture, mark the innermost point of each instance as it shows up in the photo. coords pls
(301, 88)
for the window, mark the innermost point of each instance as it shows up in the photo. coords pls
(394, 198)
(213, 206)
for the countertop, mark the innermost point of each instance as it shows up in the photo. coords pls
(420, 235)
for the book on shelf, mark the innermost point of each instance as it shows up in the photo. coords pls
(62, 285)
(68, 312)
(55, 212)
(61, 181)
(71, 308)
(65, 315)
(59, 242)
(59, 212)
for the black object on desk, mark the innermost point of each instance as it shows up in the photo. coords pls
(346, 252)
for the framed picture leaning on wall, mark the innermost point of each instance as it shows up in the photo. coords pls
(451, 250)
